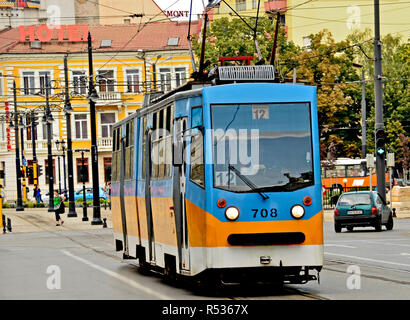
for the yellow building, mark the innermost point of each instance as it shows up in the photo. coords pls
(342, 18)
(302, 18)
(28, 55)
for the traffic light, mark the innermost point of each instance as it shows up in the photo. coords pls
(39, 170)
(380, 142)
(30, 173)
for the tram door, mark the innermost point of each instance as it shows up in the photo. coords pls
(148, 171)
(122, 199)
(179, 190)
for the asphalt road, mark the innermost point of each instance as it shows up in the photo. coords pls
(82, 264)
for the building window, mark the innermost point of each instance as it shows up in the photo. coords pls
(46, 171)
(28, 83)
(28, 129)
(80, 122)
(107, 169)
(180, 76)
(240, 5)
(79, 82)
(82, 171)
(42, 76)
(165, 78)
(254, 4)
(45, 131)
(107, 121)
(132, 81)
(106, 80)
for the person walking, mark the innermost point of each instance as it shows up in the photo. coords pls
(38, 195)
(58, 207)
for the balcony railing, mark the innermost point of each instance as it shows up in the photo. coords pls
(109, 95)
(104, 143)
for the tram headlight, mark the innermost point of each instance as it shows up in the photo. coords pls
(297, 211)
(232, 213)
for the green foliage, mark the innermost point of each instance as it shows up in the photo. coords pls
(232, 37)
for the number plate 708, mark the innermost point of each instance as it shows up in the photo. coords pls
(265, 213)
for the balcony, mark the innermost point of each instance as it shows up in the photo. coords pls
(104, 143)
(276, 5)
(108, 97)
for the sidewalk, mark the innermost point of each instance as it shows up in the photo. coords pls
(40, 220)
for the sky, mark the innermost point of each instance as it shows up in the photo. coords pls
(182, 5)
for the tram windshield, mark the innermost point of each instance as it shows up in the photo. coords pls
(269, 144)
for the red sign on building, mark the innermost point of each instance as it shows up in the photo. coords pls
(43, 33)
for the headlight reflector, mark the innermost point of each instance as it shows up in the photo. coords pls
(297, 211)
(232, 213)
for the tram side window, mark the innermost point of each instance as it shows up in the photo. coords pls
(144, 143)
(129, 150)
(197, 173)
(161, 150)
(115, 160)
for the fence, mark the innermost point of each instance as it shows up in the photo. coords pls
(331, 195)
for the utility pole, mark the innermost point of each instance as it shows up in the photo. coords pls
(378, 99)
(19, 204)
(23, 159)
(364, 125)
(92, 97)
(33, 142)
(49, 119)
(68, 109)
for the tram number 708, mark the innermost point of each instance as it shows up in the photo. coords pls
(265, 213)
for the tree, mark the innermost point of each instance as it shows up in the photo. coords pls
(232, 37)
(328, 65)
(396, 90)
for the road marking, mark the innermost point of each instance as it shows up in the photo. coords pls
(367, 259)
(339, 245)
(113, 274)
(405, 254)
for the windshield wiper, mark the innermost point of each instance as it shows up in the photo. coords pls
(290, 186)
(248, 182)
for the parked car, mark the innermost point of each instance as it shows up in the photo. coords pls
(89, 194)
(360, 209)
(78, 194)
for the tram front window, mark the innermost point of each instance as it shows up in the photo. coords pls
(269, 144)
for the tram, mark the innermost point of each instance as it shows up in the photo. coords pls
(222, 181)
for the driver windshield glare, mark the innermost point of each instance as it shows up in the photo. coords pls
(269, 145)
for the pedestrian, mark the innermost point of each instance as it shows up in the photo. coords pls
(58, 207)
(38, 195)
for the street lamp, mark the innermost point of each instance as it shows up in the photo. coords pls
(82, 175)
(92, 97)
(48, 119)
(61, 147)
(19, 204)
(68, 109)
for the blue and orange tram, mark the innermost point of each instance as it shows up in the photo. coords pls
(221, 181)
